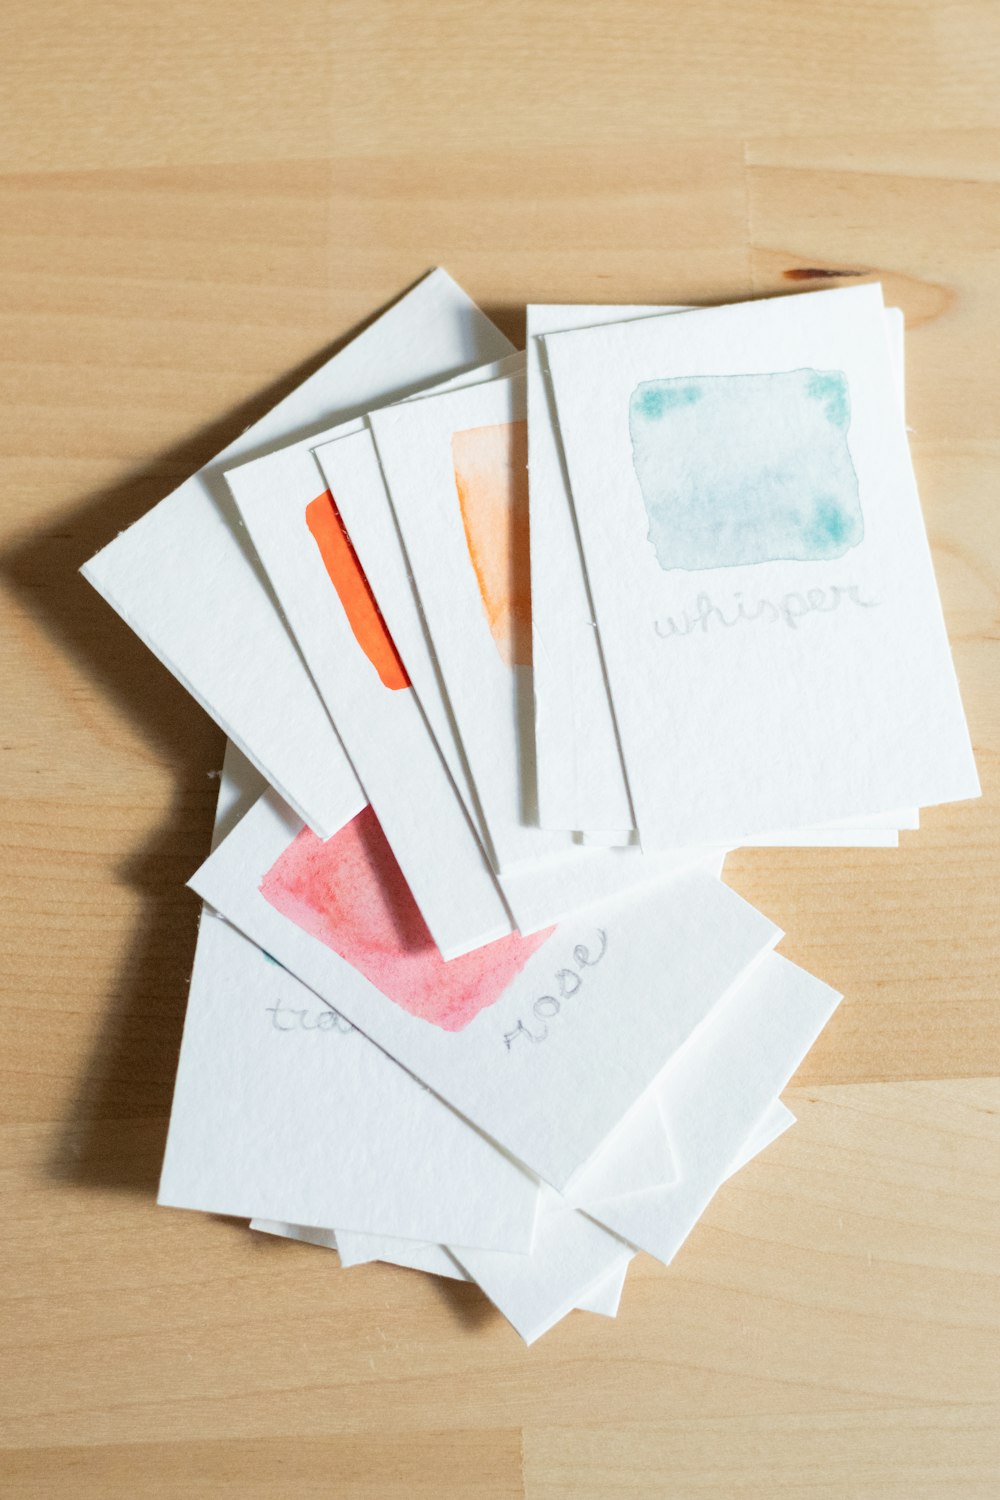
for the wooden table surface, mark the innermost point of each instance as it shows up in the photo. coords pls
(198, 203)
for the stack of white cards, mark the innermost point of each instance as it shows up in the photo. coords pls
(522, 645)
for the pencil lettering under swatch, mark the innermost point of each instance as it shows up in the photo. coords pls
(568, 983)
(325, 1019)
(790, 608)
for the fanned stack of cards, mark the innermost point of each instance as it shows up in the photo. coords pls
(523, 644)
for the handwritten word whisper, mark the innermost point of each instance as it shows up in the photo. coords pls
(289, 1018)
(790, 607)
(568, 982)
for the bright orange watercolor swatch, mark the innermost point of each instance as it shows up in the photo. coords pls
(491, 476)
(353, 590)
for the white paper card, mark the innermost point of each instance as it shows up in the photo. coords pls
(756, 555)
(535, 1291)
(545, 1043)
(605, 1298)
(571, 1256)
(581, 781)
(636, 1158)
(719, 1091)
(773, 1124)
(776, 1013)
(282, 1109)
(186, 581)
(509, 1292)
(353, 474)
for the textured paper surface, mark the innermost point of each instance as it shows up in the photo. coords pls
(281, 1109)
(187, 582)
(534, 1292)
(581, 783)
(605, 1298)
(637, 1158)
(773, 1124)
(556, 1282)
(571, 1257)
(580, 778)
(824, 631)
(566, 1035)
(719, 1091)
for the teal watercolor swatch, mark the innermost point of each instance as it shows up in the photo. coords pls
(738, 469)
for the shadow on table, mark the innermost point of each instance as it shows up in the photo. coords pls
(466, 1303)
(115, 1128)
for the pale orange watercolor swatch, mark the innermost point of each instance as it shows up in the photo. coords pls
(353, 590)
(491, 476)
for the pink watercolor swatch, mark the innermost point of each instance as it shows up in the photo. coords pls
(350, 893)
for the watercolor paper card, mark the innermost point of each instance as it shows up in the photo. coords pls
(281, 1108)
(571, 1257)
(186, 581)
(252, 1125)
(545, 1043)
(240, 785)
(636, 1158)
(533, 1292)
(756, 555)
(581, 783)
(354, 476)
(536, 895)
(604, 1298)
(719, 1091)
(454, 468)
(774, 1123)
(581, 780)
(833, 838)
(296, 527)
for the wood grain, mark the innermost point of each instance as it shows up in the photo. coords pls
(197, 205)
